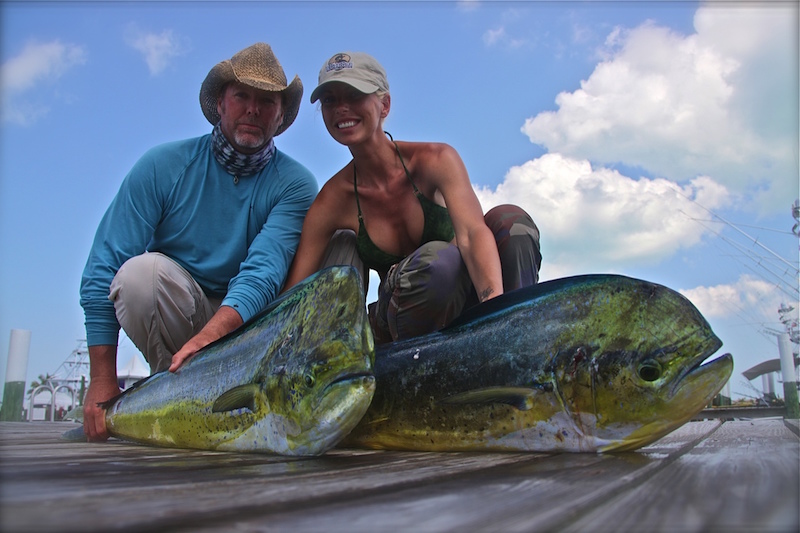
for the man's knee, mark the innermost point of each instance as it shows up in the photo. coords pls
(133, 282)
(159, 305)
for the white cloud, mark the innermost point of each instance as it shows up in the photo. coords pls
(596, 219)
(493, 36)
(38, 63)
(468, 5)
(158, 49)
(23, 113)
(750, 298)
(721, 102)
(500, 37)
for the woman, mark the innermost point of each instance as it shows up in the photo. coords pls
(408, 211)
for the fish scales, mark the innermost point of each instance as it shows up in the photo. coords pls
(588, 363)
(294, 380)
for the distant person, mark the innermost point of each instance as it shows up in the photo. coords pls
(201, 234)
(408, 211)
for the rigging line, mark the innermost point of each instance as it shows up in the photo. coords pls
(782, 232)
(736, 228)
(764, 265)
(751, 319)
(776, 285)
(759, 260)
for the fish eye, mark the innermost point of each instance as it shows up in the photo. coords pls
(308, 377)
(649, 370)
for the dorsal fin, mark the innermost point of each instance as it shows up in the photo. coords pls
(525, 294)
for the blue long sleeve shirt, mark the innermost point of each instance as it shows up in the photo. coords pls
(236, 238)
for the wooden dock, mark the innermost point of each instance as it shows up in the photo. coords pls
(711, 475)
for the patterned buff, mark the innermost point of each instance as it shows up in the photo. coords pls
(235, 163)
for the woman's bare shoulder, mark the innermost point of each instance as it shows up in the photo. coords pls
(338, 186)
(336, 200)
(424, 154)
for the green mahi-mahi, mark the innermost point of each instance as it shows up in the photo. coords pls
(583, 364)
(292, 381)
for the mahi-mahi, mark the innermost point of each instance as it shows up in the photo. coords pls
(592, 363)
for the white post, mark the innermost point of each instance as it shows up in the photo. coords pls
(789, 377)
(768, 384)
(19, 345)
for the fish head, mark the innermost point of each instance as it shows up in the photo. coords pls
(638, 371)
(319, 381)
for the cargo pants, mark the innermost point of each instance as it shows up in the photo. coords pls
(431, 287)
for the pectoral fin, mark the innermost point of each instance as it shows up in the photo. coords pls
(520, 397)
(243, 396)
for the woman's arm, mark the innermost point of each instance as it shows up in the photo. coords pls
(324, 217)
(444, 168)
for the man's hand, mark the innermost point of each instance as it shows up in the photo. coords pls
(225, 320)
(102, 386)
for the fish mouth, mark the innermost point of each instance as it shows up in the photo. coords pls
(704, 375)
(692, 392)
(341, 405)
(704, 380)
(700, 380)
(694, 389)
(351, 376)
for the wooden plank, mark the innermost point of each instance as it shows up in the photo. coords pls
(159, 488)
(740, 413)
(49, 485)
(539, 494)
(743, 477)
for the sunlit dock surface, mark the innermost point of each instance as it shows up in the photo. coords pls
(711, 475)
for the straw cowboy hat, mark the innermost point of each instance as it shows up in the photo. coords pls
(255, 66)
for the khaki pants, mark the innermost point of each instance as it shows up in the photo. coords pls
(159, 306)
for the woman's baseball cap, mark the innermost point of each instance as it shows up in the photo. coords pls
(357, 69)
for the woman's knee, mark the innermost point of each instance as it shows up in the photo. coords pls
(502, 218)
(341, 250)
(517, 238)
(428, 290)
(433, 268)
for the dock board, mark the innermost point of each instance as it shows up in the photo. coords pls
(708, 475)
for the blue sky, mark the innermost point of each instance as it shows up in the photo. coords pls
(629, 130)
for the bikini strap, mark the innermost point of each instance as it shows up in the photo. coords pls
(408, 174)
(355, 188)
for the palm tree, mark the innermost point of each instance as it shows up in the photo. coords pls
(46, 379)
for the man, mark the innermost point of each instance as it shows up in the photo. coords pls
(202, 231)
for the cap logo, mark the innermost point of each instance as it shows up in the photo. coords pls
(339, 62)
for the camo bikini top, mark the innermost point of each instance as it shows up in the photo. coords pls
(438, 227)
